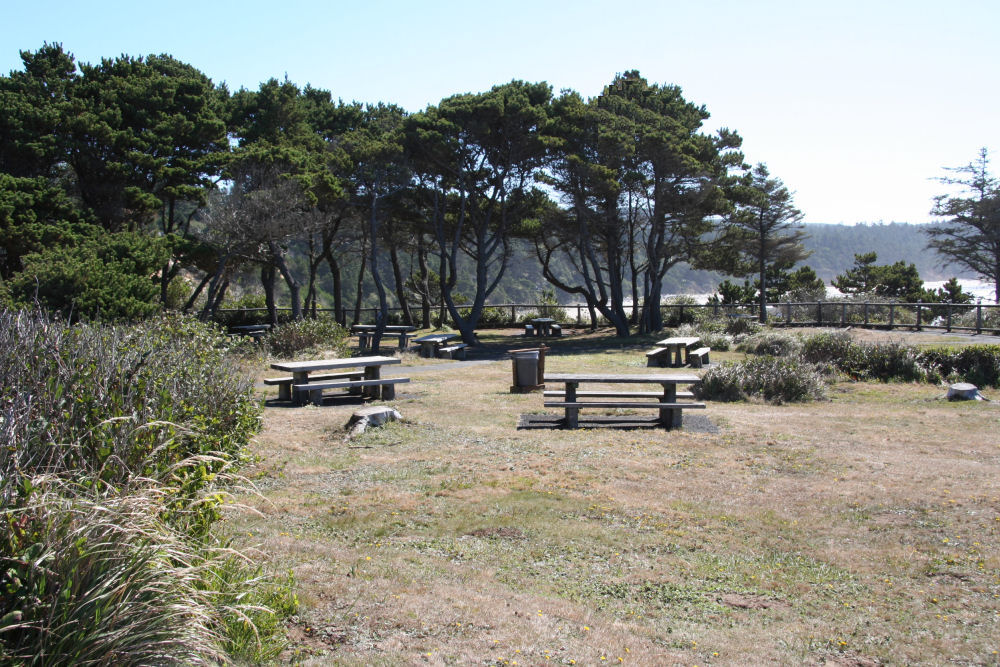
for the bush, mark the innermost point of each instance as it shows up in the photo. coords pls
(828, 347)
(117, 442)
(892, 361)
(870, 361)
(118, 403)
(742, 326)
(773, 379)
(771, 343)
(978, 364)
(309, 333)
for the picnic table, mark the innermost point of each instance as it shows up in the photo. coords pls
(432, 343)
(666, 400)
(675, 349)
(365, 378)
(254, 331)
(365, 333)
(543, 325)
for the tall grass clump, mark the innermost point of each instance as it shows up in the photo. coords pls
(771, 343)
(310, 333)
(118, 445)
(773, 379)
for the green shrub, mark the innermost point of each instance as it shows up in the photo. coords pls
(885, 362)
(828, 347)
(978, 364)
(771, 343)
(893, 361)
(719, 342)
(773, 379)
(308, 333)
(115, 403)
(743, 326)
(118, 442)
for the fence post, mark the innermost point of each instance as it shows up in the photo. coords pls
(819, 313)
(788, 313)
(949, 317)
(892, 311)
(918, 316)
(866, 313)
(843, 314)
(979, 318)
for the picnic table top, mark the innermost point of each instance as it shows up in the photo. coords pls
(679, 340)
(543, 320)
(392, 328)
(250, 327)
(660, 378)
(435, 338)
(325, 364)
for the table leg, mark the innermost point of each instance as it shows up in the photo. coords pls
(300, 397)
(363, 340)
(374, 391)
(678, 358)
(572, 414)
(427, 348)
(670, 417)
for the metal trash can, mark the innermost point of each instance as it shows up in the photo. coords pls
(526, 368)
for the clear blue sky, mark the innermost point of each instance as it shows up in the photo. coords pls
(856, 105)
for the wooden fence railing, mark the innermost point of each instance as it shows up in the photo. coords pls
(977, 317)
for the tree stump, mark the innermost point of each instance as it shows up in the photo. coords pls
(963, 391)
(366, 418)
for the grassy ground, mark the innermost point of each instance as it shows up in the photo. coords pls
(860, 530)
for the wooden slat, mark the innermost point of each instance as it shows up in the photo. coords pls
(317, 378)
(660, 378)
(619, 394)
(347, 384)
(621, 404)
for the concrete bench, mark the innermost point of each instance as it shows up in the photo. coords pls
(285, 383)
(556, 330)
(698, 358)
(659, 357)
(385, 388)
(529, 330)
(454, 351)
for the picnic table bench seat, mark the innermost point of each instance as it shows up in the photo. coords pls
(315, 389)
(285, 383)
(698, 358)
(453, 351)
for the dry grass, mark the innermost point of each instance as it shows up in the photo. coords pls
(860, 530)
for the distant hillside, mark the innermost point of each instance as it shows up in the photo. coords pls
(834, 246)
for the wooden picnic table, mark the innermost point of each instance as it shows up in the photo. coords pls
(431, 343)
(365, 333)
(666, 400)
(678, 347)
(543, 325)
(299, 387)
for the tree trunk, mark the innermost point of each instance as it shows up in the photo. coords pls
(397, 275)
(294, 286)
(425, 301)
(267, 276)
